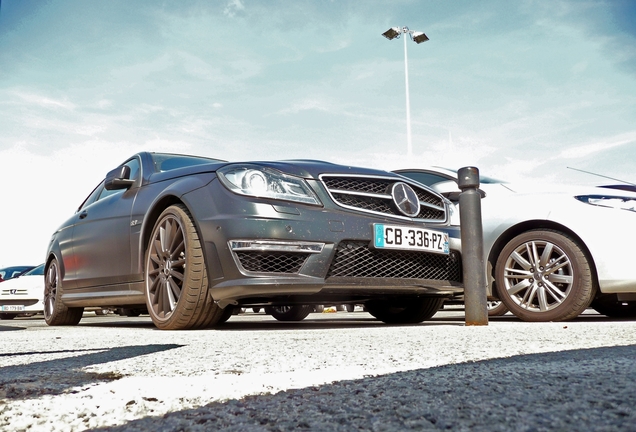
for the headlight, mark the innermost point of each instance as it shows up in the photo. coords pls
(256, 181)
(623, 203)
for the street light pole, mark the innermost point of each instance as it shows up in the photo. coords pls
(417, 37)
(409, 142)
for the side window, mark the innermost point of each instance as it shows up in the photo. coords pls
(134, 168)
(134, 175)
(429, 179)
(92, 197)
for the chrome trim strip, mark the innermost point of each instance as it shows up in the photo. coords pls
(275, 246)
(433, 206)
(367, 194)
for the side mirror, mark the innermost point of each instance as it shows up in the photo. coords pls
(119, 178)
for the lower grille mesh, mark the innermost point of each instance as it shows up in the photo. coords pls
(271, 262)
(356, 259)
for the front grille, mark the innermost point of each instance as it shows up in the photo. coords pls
(356, 259)
(373, 194)
(271, 262)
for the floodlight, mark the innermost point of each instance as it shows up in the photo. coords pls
(419, 37)
(392, 33)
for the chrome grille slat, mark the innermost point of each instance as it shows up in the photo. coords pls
(373, 194)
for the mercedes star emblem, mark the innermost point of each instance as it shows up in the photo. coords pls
(405, 199)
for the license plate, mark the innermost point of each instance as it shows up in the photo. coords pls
(409, 238)
(12, 308)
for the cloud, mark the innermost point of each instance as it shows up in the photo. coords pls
(597, 147)
(42, 101)
(233, 7)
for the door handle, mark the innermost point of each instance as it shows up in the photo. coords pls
(83, 214)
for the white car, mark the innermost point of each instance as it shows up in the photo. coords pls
(552, 251)
(22, 295)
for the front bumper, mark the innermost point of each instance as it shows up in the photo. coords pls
(260, 251)
(20, 303)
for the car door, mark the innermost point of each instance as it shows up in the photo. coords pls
(101, 236)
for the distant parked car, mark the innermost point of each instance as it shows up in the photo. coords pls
(22, 294)
(188, 239)
(553, 251)
(7, 273)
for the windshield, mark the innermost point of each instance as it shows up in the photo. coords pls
(482, 178)
(38, 271)
(167, 162)
(490, 180)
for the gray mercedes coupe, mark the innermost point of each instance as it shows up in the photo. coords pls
(189, 239)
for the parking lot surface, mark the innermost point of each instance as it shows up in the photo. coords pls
(332, 371)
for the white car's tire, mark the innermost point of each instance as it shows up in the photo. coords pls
(544, 275)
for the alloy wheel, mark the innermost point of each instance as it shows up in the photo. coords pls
(50, 289)
(166, 267)
(538, 275)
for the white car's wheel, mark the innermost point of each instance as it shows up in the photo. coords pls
(544, 275)
(496, 308)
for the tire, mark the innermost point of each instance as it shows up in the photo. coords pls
(319, 308)
(405, 311)
(350, 307)
(610, 306)
(496, 308)
(7, 316)
(101, 312)
(289, 313)
(177, 292)
(340, 308)
(544, 275)
(55, 312)
(256, 309)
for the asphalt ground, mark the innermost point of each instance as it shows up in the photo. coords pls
(332, 371)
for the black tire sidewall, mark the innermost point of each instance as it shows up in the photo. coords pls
(176, 318)
(582, 290)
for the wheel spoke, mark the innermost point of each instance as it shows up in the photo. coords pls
(521, 260)
(173, 292)
(555, 292)
(155, 253)
(545, 256)
(524, 284)
(559, 263)
(177, 275)
(153, 289)
(533, 253)
(50, 303)
(517, 273)
(561, 278)
(543, 299)
(177, 245)
(528, 298)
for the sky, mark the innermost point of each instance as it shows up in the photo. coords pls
(524, 91)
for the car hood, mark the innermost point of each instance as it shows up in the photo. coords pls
(538, 189)
(23, 281)
(308, 169)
